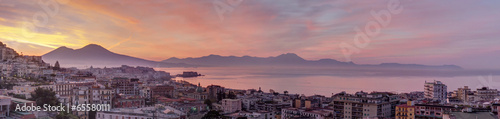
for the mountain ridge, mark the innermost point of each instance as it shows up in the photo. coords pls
(290, 59)
(93, 54)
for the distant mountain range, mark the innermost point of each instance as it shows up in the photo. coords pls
(284, 59)
(95, 55)
(291, 59)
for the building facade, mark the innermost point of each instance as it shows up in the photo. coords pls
(436, 91)
(364, 105)
(462, 93)
(292, 113)
(405, 111)
(231, 105)
(427, 111)
(486, 94)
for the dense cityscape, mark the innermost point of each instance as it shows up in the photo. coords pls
(128, 92)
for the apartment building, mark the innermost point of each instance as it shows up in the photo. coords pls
(430, 111)
(64, 91)
(405, 111)
(250, 103)
(162, 90)
(365, 105)
(486, 94)
(214, 92)
(231, 105)
(101, 95)
(81, 95)
(435, 90)
(126, 86)
(128, 101)
(462, 93)
(197, 95)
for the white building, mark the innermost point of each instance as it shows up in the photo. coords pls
(101, 95)
(4, 107)
(435, 90)
(250, 103)
(24, 90)
(231, 105)
(486, 94)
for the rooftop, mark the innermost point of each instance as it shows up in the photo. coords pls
(476, 115)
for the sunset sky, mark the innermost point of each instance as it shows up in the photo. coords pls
(461, 32)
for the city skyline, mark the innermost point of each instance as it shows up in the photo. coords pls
(462, 33)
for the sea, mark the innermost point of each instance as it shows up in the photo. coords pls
(310, 82)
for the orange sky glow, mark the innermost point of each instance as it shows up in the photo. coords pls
(464, 33)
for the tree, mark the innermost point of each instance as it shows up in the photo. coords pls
(285, 92)
(221, 95)
(44, 96)
(212, 115)
(276, 93)
(208, 103)
(231, 95)
(19, 96)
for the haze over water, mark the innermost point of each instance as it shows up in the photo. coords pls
(309, 83)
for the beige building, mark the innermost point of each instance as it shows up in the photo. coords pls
(405, 111)
(462, 93)
(22, 89)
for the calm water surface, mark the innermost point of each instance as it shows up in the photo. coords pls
(310, 82)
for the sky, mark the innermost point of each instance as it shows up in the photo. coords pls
(460, 32)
